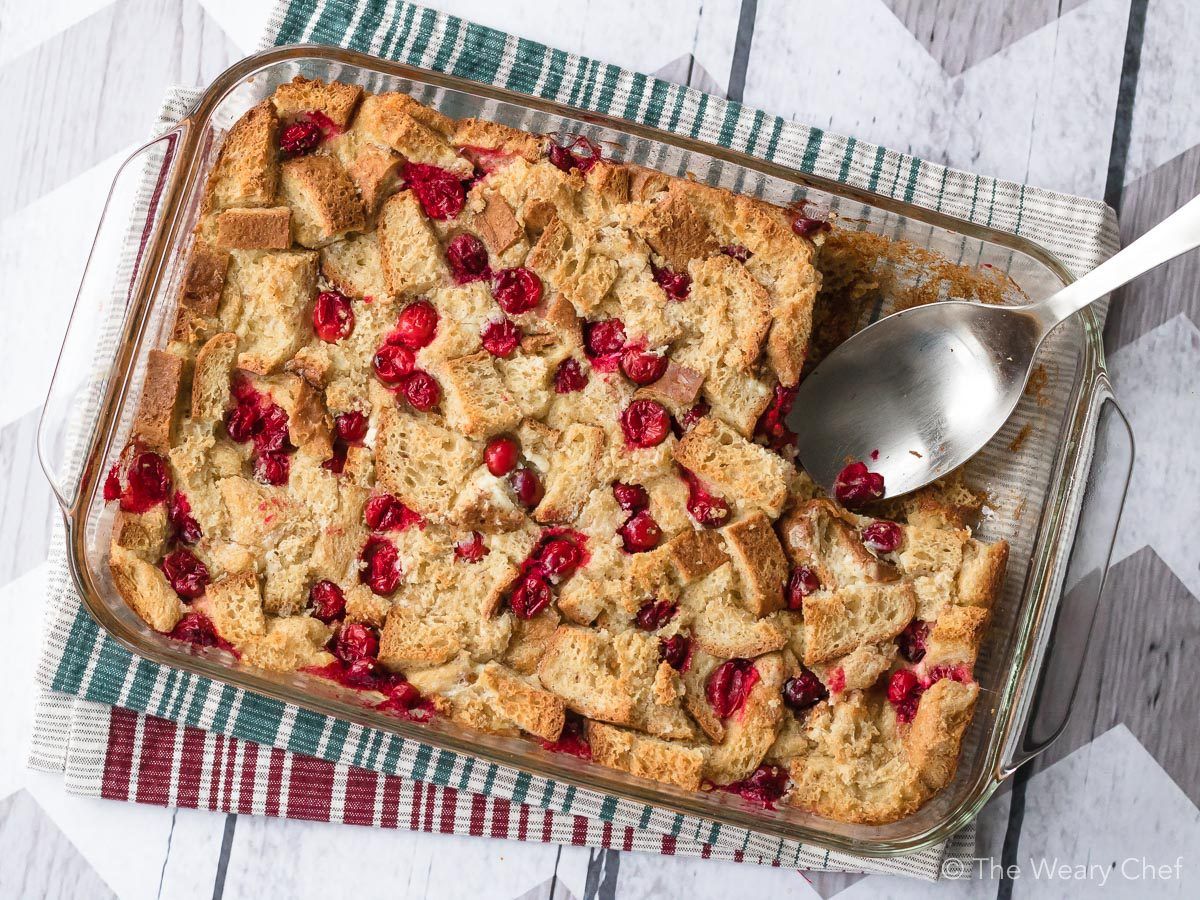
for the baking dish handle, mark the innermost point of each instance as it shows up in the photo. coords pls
(129, 223)
(1065, 653)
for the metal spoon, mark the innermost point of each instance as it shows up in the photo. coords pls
(928, 387)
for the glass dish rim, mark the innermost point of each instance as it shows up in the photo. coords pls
(1048, 560)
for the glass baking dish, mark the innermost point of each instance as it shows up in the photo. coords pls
(1036, 471)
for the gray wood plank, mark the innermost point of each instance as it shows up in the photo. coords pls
(27, 507)
(38, 860)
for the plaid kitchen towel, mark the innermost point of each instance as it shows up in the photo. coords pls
(124, 727)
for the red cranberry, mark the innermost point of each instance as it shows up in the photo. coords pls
(882, 537)
(572, 740)
(580, 154)
(468, 259)
(112, 484)
(654, 614)
(527, 486)
(196, 628)
(804, 691)
(772, 424)
(416, 326)
(729, 685)
(300, 137)
(561, 158)
(706, 508)
(403, 695)
(737, 251)
(356, 641)
(911, 641)
(694, 415)
(630, 497)
(147, 483)
(332, 317)
(421, 391)
(439, 192)
(350, 427)
(802, 582)
(271, 435)
(676, 285)
(273, 467)
(569, 377)
(187, 576)
(517, 290)
(179, 512)
(806, 227)
(645, 423)
(381, 572)
(385, 512)
(327, 601)
(241, 422)
(764, 786)
(604, 337)
(501, 338)
(530, 597)
(856, 486)
(471, 549)
(361, 673)
(640, 533)
(501, 455)
(959, 673)
(558, 559)
(904, 693)
(642, 367)
(393, 363)
(675, 651)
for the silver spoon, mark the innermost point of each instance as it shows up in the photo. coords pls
(918, 393)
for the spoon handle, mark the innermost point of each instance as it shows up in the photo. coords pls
(1175, 235)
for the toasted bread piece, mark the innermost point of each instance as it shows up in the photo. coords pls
(144, 533)
(267, 303)
(737, 310)
(423, 463)
(722, 626)
(484, 135)
(399, 122)
(255, 229)
(354, 267)
(411, 641)
(981, 573)
(236, 607)
(477, 402)
(377, 173)
(324, 201)
(295, 642)
(677, 390)
(200, 295)
(676, 232)
(647, 757)
(497, 225)
(956, 636)
(734, 466)
(145, 588)
(158, 407)
(412, 259)
(573, 474)
(835, 622)
(579, 665)
(536, 711)
(696, 553)
(247, 170)
(758, 561)
(210, 382)
(333, 99)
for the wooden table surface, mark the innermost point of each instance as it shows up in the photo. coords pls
(1095, 97)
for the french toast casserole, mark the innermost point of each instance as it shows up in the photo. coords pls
(489, 427)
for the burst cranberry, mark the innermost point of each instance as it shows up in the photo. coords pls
(350, 427)
(737, 251)
(558, 559)
(645, 423)
(517, 290)
(654, 614)
(186, 529)
(675, 651)
(764, 786)
(337, 463)
(630, 497)
(467, 258)
(273, 467)
(381, 570)
(640, 533)
(361, 673)
(802, 582)
(806, 227)
(356, 641)
(706, 508)
(729, 685)
(241, 422)
(393, 363)
(385, 512)
(112, 484)
(403, 695)
(772, 424)
(676, 285)
(561, 158)
(500, 338)
(332, 317)
(642, 367)
(960, 673)
(147, 483)
(694, 415)
(904, 693)
(604, 337)
(271, 436)
(501, 455)
(571, 741)
(416, 326)
(911, 641)
(856, 486)
(421, 391)
(439, 192)
(882, 537)
(569, 377)
(530, 597)
(528, 487)
(300, 137)
(804, 691)
(187, 576)
(327, 601)
(196, 628)
(471, 549)
(580, 154)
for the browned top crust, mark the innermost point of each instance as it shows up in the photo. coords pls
(375, 314)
